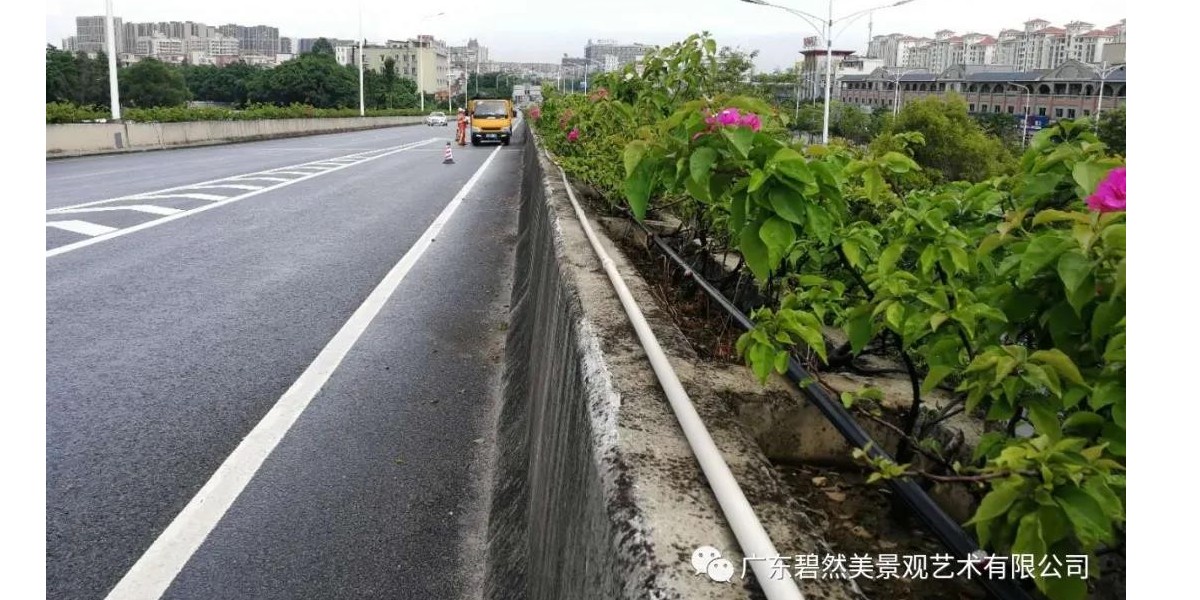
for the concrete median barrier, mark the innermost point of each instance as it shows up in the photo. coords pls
(80, 139)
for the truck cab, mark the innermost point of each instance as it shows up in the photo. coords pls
(491, 121)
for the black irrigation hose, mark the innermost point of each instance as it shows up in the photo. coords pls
(946, 529)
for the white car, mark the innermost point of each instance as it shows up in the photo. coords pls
(436, 118)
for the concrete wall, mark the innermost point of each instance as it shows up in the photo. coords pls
(597, 493)
(78, 139)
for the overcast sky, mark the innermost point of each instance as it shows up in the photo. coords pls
(542, 30)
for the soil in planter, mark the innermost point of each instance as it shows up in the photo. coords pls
(857, 518)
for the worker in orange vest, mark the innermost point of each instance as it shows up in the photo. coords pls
(463, 121)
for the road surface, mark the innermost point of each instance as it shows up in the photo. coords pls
(272, 367)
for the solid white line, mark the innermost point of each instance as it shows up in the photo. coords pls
(157, 196)
(146, 208)
(153, 573)
(149, 224)
(81, 227)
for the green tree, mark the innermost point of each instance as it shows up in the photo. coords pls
(93, 79)
(956, 148)
(1111, 129)
(314, 79)
(322, 47)
(62, 76)
(1001, 125)
(150, 83)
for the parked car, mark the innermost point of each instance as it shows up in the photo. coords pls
(436, 118)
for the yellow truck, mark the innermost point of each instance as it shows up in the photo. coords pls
(491, 121)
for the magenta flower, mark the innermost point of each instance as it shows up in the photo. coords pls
(1110, 194)
(574, 135)
(535, 113)
(750, 120)
(729, 116)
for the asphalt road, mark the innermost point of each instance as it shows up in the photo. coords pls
(173, 330)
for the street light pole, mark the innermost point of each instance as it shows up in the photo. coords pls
(362, 102)
(114, 99)
(826, 31)
(420, 56)
(1025, 119)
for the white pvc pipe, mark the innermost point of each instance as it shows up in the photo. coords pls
(751, 535)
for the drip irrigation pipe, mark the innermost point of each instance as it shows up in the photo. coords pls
(946, 529)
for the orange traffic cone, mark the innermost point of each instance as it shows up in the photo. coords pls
(448, 155)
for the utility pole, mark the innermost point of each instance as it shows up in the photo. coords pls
(113, 91)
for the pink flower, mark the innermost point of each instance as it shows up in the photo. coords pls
(1110, 194)
(750, 120)
(574, 135)
(729, 116)
(535, 113)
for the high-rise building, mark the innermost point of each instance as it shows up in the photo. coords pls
(287, 45)
(1037, 46)
(259, 40)
(91, 36)
(598, 53)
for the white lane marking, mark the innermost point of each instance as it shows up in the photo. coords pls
(256, 178)
(153, 573)
(167, 219)
(193, 196)
(358, 156)
(81, 227)
(146, 208)
(236, 186)
(293, 172)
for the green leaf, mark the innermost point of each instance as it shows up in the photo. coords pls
(781, 362)
(1086, 516)
(1044, 419)
(853, 253)
(989, 243)
(1106, 317)
(1072, 397)
(634, 151)
(819, 222)
(859, 330)
(895, 317)
(761, 358)
(1074, 268)
(899, 163)
(1060, 362)
(755, 252)
(1082, 295)
(787, 204)
(935, 376)
(996, 503)
(778, 235)
(741, 138)
(887, 259)
(812, 336)
(1083, 424)
(1055, 525)
(1114, 237)
(873, 183)
(937, 319)
(1040, 253)
(757, 179)
(1088, 175)
(1118, 413)
(1108, 500)
(1063, 588)
(989, 444)
(1040, 376)
(1029, 537)
(701, 162)
(1053, 216)
(696, 190)
(737, 212)
(1106, 393)
(797, 170)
